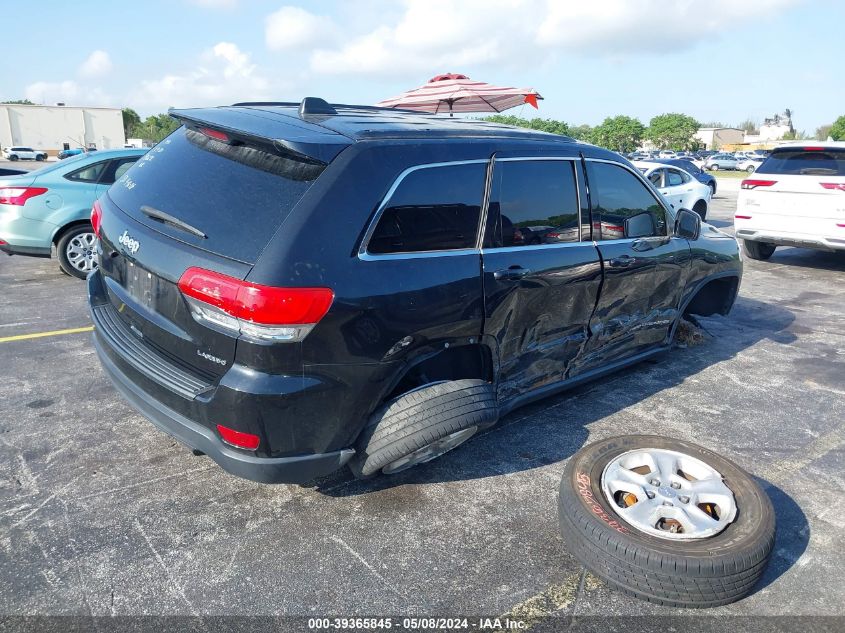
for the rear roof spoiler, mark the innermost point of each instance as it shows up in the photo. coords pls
(305, 140)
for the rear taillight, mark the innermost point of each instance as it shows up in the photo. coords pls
(238, 438)
(833, 185)
(754, 183)
(19, 195)
(96, 217)
(263, 312)
(742, 217)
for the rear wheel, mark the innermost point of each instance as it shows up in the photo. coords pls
(41, 157)
(750, 169)
(423, 424)
(758, 250)
(13, 157)
(714, 167)
(77, 251)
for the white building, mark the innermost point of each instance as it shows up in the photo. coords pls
(715, 137)
(54, 128)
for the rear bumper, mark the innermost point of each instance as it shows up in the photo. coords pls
(298, 469)
(784, 238)
(31, 251)
(23, 235)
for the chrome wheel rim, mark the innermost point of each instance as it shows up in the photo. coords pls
(668, 494)
(81, 252)
(430, 451)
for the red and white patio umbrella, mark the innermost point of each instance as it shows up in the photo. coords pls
(458, 93)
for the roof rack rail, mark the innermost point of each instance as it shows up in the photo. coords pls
(265, 103)
(315, 105)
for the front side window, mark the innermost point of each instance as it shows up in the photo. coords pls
(432, 209)
(533, 202)
(623, 207)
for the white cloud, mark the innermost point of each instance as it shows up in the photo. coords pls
(52, 92)
(215, 4)
(624, 27)
(97, 64)
(225, 74)
(445, 35)
(292, 27)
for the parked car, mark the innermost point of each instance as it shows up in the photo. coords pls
(720, 161)
(666, 153)
(11, 172)
(796, 198)
(224, 314)
(67, 153)
(680, 189)
(693, 170)
(19, 152)
(750, 163)
(49, 208)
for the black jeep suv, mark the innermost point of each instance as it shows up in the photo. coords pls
(289, 288)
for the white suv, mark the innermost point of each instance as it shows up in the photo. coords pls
(23, 153)
(795, 198)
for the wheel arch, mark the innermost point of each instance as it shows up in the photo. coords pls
(713, 295)
(64, 228)
(451, 362)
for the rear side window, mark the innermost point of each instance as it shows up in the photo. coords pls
(533, 202)
(623, 207)
(798, 162)
(432, 209)
(90, 173)
(237, 195)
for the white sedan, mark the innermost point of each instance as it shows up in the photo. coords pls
(681, 190)
(750, 163)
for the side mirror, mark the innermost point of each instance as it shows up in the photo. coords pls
(640, 225)
(687, 224)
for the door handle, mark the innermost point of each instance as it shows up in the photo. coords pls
(514, 273)
(623, 261)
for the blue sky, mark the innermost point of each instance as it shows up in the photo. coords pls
(722, 60)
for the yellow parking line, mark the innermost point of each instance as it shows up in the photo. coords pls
(24, 337)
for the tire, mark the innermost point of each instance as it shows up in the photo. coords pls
(73, 249)
(750, 169)
(444, 412)
(714, 167)
(40, 158)
(701, 572)
(13, 157)
(700, 208)
(758, 250)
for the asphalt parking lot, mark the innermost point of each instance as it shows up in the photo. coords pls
(102, 514)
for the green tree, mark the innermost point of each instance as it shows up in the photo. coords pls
(154, 127)
(131, 119)
(544, 125)
(18, 102)
(750, 126)
(823, 131)
(837, 130)
(581, 132)
(673, 131)
(620, 133)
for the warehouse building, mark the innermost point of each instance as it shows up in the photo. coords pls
(54, 128)
(714, 138)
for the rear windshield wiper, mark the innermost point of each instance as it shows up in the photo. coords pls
(161, 216)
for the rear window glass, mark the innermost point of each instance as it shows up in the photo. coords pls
(432, 209)
(236, 195)
(799, 162)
